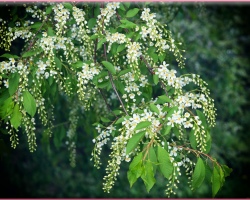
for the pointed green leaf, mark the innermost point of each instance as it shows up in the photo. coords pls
(153, 108)
(125, 71)
(13, 83)
(199, 174)
(137, 159)
(91, 23)
(156, 79)
(166, 167)
(132, 12)
(202, 118)
(68, 6)
(133, 142)
(142, 125)
(192, 139)
(109, 66)
(7, 107)
(120, 48)
(127, 4)
(166, 130)
(29, 53)
(29, 103)
(48, 10)
(50, 31)
(7, 55)
(163, 99)
(162, 57)
(148, 175)
(135, 169)
(104, 119)
(153, 158)
(227, 170)
(127, 24)
(216, 181)
(100, 43)
(16, 117)
(58, 63)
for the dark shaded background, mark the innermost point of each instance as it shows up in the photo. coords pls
(217, 42)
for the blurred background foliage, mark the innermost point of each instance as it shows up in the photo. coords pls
(217, 43)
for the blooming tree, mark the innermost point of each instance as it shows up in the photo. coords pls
(87, 52)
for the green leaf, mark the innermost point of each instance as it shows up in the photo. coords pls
(103, 84)
(7, 55)
(104, 119)
(120, 48)
(227, 170)
(166, 167)
(109, 66)
(170, 112)
(93, 37)
(216, 181)
(16, 117)
(127, 24)
(163, 99)
(58, 63)
(137, 159)
(142, 125)
(135, 169)
(50, 31)
(29, 103)
(127, 4)
(166, 130)
(162, 57)
(199, 174)
(7, 107)
(132, 12)
(29, 53)
(202, 118)
(100, 43)
(36, 25)
(153, 158)
(120, 86)
(153, 108)
(156, 79)
(13, 83)
(4, 95)
(91, 23)
(148, 175)
(68, 6)
(133, 142)
(113, 50)
(49, 10)
(120, 120)
(122, 7)
(192, 139)
(125, 71)
(78, 64)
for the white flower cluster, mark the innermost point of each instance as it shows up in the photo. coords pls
(133, 52)
(132, 88)
(106, 14)
(115, 37)
(41, 70)
(170, 78)
(61, 15)
(152, 31)
(85, 76)
(88, 72)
